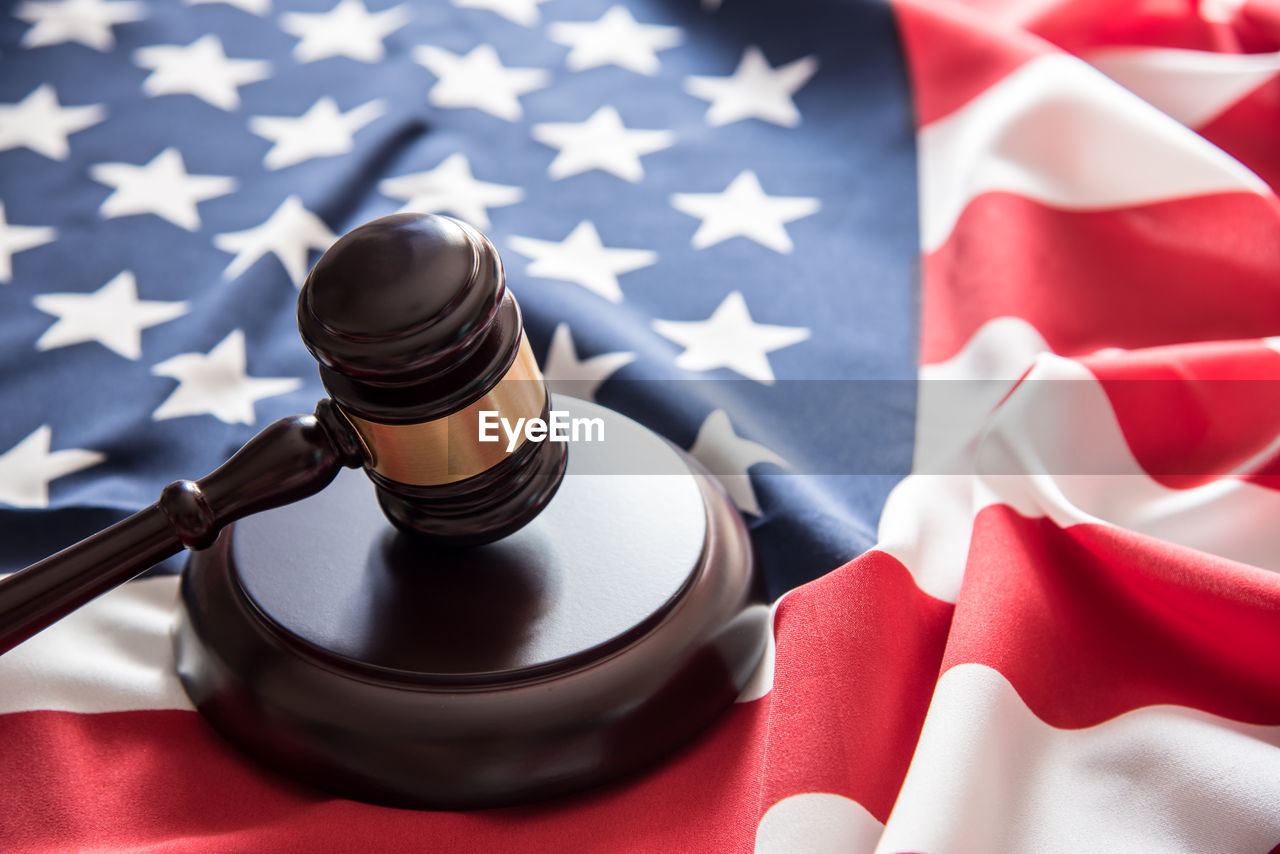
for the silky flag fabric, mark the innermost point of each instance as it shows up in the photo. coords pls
(972, 307)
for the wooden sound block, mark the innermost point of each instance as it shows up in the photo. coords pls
(591, 643)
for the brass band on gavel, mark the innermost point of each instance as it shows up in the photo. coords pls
(448, 449)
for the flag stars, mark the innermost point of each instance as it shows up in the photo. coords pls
(601, 142)
(40, 123)
(755, 90)
(582, 259)
(19, 238)
(201, 69)
(522, 12)
(743, 210)
(567, 374)
(479, 80)
(217, 383)
(729, 457)
(615, 39)
(28, 467)
(112, 315)
(86, 22)
(348, 29)
(161, 187)
(730, 339)
(322, 131)
(451, 188)
(289, 234)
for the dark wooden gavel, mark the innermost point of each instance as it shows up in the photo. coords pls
(409, 361)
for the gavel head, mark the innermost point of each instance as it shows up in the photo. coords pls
(417, 335)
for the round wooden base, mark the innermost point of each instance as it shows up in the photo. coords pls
(587, 645)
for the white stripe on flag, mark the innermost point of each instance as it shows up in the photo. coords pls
(1025, 454)
(817, 823)
(112, 655)
(1062, 133)
(989, 775)
(1193, 86)
(1058, 421)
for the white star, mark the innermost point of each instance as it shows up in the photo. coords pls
(201, 69)
(19, 238)
(40, 123)
(322, 131)
(743, 210)
(112, 315)
(582, 259)
(88, 22)
(523, 12)
(728, 456)
(565, 373)
(755, 90)
(27, 468)
(162, 187)
(479, 80)
(730, 339)
(615, 39)
(253, 7)
(289, 234)
(216, 384)
(450, 188)
(601, 142)
(348, 29)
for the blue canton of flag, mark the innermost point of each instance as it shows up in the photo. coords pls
(703, 212)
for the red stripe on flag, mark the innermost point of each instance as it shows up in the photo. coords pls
(1093, 621)
(1261, 19)
(953, 56)
(133, 780)
(1192, 412)
(1250, 131)
(858, 657)
(1080, 25)
(1133, 277)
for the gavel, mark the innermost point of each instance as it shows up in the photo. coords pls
(407, 364)
(476, 650)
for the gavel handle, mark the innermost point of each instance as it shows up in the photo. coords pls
(289, 460)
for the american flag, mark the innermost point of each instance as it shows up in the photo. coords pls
(967, 304)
